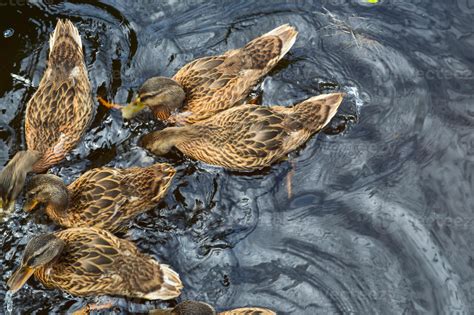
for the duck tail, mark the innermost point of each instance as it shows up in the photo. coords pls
(287, 35)
(316, 112)
(13, 175)
(170, 287)
(65, 46)
(264, 52)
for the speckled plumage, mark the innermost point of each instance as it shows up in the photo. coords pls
(248, 137)
(95, 262)
(201, 308)
(61, 108)
(108, 197)
(216, 83)
(57, 114)
(249, 311)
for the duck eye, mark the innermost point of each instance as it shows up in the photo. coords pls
(143, 99)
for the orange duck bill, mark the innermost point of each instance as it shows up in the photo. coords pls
(128, 111)
(108, 104)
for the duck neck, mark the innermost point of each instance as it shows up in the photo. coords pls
(184, 133)
(166, 102)
(58, 205)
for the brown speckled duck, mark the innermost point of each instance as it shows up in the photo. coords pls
(90, 261)
(201, 308)
(247, 137)
(56, 116)
(102, 197)
(209, 85)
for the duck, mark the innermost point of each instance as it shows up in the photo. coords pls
(91, 261)
(57, 115)
(248, 137)
(104, 197)
(201, 308)
(211, 84)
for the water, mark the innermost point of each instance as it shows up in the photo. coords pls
(8, 303)
(380, 217)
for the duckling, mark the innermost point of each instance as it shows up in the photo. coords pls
(90, 261)
(57, 115)
(103, 197)
(201, 308)
(247, 137)
(209, 85)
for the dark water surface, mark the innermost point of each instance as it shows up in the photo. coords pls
(381, 216)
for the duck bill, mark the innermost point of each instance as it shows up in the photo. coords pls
(19, 278)
(108, 104)
(132, 109)
(30, 205)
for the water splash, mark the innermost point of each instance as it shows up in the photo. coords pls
(353, 91)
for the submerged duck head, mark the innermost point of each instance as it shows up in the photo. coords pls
(194, 308)
(162, 141)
